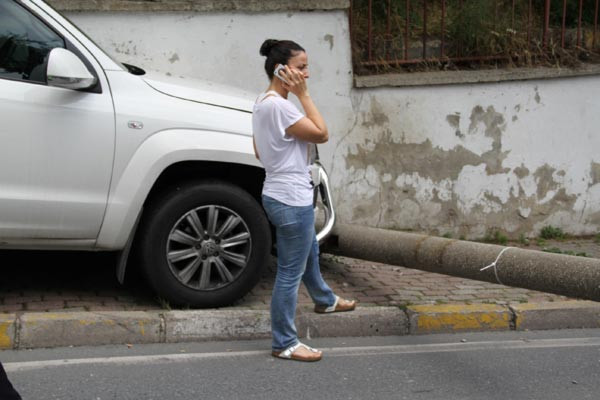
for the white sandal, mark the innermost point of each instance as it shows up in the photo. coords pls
(340, 305)
(290, 353)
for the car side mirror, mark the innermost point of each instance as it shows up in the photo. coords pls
(67, 71)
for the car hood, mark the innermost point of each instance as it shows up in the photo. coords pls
(201, 91)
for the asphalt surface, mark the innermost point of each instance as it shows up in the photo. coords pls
(508, 365)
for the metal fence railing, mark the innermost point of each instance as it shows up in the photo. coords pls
(436, 33)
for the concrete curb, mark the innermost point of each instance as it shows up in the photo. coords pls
(37, 330)
(452, 318)
(567, 314)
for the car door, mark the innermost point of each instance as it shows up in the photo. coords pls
(56, 144)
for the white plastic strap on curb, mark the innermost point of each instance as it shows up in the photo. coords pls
(495, 264)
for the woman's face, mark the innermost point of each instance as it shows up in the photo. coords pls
(299, 62)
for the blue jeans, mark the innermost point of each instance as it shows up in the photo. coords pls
(297, 259)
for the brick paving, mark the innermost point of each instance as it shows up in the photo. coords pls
(47, 281)
(66, 281)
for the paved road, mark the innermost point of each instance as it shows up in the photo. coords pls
(508, 365)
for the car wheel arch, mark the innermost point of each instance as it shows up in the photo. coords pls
(248, 178)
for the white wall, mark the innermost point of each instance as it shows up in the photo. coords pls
(460, 159)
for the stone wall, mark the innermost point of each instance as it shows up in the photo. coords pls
(467, 159)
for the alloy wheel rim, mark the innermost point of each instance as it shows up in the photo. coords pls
(208, 247)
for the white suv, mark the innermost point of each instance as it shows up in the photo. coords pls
(98, 155)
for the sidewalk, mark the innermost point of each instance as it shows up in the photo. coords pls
(397, 300)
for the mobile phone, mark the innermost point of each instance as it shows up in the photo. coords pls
(276, 72)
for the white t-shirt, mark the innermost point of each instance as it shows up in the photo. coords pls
(284, 157)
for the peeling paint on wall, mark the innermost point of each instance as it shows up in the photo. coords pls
(329, 38)
(454, 121)
(537, 97)
(376, 117)
(468, 190)
(595, 172)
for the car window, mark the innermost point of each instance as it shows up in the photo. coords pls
(25, 43)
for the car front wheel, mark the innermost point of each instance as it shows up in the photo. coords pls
(204, 244)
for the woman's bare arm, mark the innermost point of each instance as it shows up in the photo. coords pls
(311, 128)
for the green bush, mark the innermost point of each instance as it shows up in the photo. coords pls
(470, 29)
(551, 232)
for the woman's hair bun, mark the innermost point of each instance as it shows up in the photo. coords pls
(267, 45)
(277, 52)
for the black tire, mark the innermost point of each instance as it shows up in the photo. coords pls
(171, 246)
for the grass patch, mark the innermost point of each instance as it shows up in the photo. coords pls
(552, 232)
(523, 240)
(556, 250)
(496, 237)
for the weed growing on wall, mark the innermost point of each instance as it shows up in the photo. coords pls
(496, 237)
(552, 232)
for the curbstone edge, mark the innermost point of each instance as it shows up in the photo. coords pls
(556, 315)
(450, 318)
(369, 321)
(88, 328)
(186, 326)
(36, 330)
(7, 331)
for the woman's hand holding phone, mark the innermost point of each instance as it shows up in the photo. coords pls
(292, 80)
(312, 128)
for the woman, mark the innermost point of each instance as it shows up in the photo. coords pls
(282, 135)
